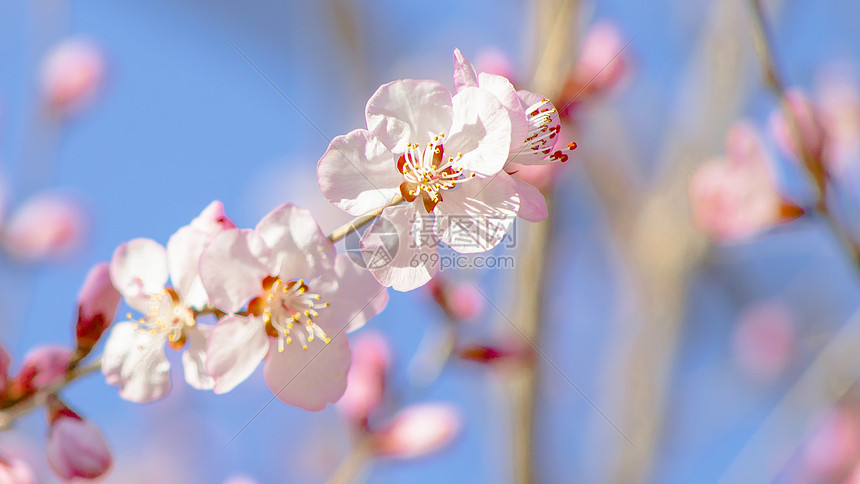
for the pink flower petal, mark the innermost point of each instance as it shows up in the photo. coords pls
(212, 220)
(409, 111)
(412, 259)
(135, 361)
(237, 345)
(507, 95)
(233, 267)
(312, 378)
(139, 269)
(194, 357)
(532, 202)
(358, 297)
(371, 357)
(480, 130)
(464, 72)
(14, 471)
(299, 247)
(357, 173)
(72, 73)
(478, 215)
(45, 225)
(44, 365)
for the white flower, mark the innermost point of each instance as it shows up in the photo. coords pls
(134, 356)
(441, 153)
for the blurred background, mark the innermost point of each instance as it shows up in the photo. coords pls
(670, 348)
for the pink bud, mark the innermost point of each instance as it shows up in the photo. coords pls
(808, 123)
(460, 300)
(72, 73)
(97, 303)
(14, 471)
(41, 367)
(764, 339)
(5, 362)
(419, 430)
(76, 447)
(371, 358)
(213, 219)
(46, 225)
(494, 354)
(834, 446)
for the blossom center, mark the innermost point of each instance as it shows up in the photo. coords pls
(166, 315)
(426, 172)
(285, 304)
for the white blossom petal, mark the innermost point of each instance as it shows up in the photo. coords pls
(478, 215)
(194, 357)
(358, 297)
(298, 246)
(464, 72)
(233, 267)
(135, 361)
(481, 131)
(237, 345)
(409, 111)
(532, 201)
(139, 268)
(400, 249)
(505, 92)
(357, 173)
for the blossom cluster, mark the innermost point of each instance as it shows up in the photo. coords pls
(231, 298)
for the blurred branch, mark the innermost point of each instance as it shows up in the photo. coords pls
(814, 165)
(31, 402)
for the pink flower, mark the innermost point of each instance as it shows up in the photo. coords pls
(736, 196)
(601, 62)
(97, 303)
(535, 129)
(764, 339)
(441, 154)
(418, 430)
(76, 447)
(42, 366)
(46, 225)
(14, 471)
(839, 113)
(300, 293)
(834, 447)
(134, 355)
(72, 74)
(371, 358)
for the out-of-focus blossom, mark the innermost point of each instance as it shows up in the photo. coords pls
(736, 196)
(14, 471)
(422, 143)
(45, 225)
(298, 290)
(501, 353)
(41, 367)
(460, 300)
(240, 479)
(535, 131)
(809, 125)
(134, 355)
(418, 430)
(371, 358)
(495, 61)
(834, 447)
(76, 449)
(602, 63)
(541, 177)
(72, 74)
(764, 339)
(838, 103)
(97, 303)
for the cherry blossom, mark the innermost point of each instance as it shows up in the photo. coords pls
(300, 297)
(441, 154)
(366, 383)
(48, 224)
(72, 74)
(535, 131)
(134, 355)
(418, 430)
(14, 471)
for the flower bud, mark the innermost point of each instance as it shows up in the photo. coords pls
(493, 354)
(5, 361)
(371, 358)
(418, 430)
(14, 471)
(72, 73)
(97, 303)
(460, 300)
(46, 225)
(76, 447)
(41, 367)
(809, 127)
